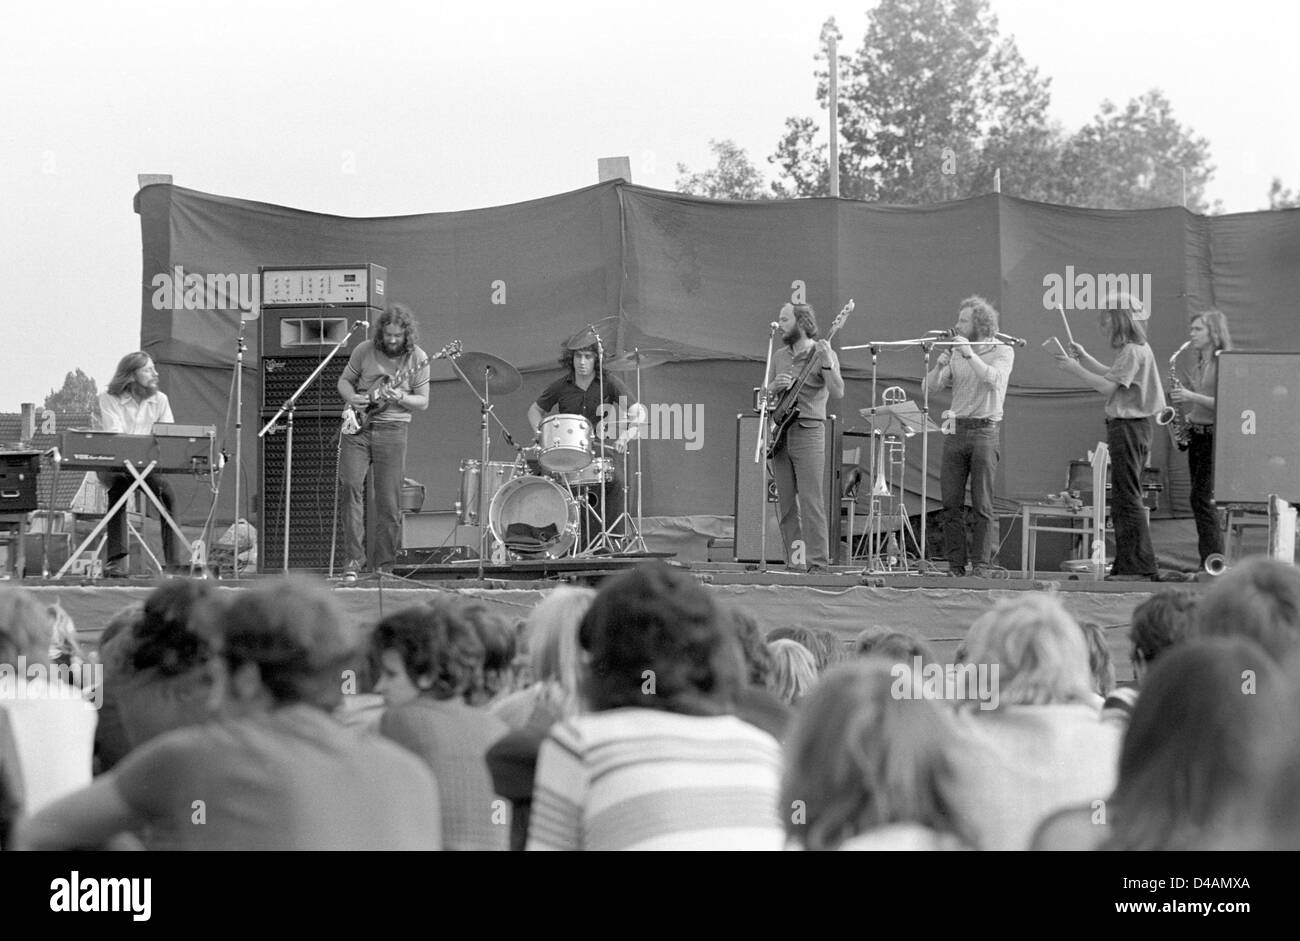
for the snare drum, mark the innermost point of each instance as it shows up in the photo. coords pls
(499, 474)
(531, 456)
(566, 443)
(544, 517)
(599, 471)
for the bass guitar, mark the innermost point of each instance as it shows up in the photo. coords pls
(786, 410)
(385, 390)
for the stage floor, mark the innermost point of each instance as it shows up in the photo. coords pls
(937, 608)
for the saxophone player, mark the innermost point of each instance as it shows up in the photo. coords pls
(1197, 372)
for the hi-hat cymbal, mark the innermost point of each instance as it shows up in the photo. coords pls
(502, 378)
(642, 358)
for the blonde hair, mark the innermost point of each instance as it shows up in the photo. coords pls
(1038, 648)
(794, 670)
(551, 629)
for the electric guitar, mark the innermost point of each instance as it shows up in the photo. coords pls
(786, 411)
(384, 391)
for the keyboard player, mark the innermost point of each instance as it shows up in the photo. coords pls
(132, 404)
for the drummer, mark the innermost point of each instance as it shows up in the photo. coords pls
(581, 392)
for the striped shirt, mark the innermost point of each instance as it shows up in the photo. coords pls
(644, 779)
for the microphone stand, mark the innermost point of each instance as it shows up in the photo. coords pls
(485, 412)
(760, 455)
(287, 410)
(239, 437)
(603, 539)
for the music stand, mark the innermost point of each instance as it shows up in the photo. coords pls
(900, 418)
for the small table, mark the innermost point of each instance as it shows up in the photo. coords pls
(1038, 518)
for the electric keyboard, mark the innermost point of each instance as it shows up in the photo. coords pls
(177, 449)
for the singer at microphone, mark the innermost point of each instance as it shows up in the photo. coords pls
(976, 367)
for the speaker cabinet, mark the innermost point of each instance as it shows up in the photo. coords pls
(312, 495)
(748, 534)
(295, 342)
(1256, 448)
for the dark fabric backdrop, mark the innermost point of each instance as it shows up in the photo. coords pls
(703, 279)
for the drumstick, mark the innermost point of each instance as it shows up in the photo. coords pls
(1068, 335)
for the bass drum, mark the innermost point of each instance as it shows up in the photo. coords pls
(534, 517)
(498, 475)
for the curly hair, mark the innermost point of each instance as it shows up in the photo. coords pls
(656, 640)
(984, 317)
(399, 315)
(566, 358)
(438, 645)
(163, 636)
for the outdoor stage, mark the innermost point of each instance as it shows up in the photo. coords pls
(936, 608)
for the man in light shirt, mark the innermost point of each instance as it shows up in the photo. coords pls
(132, 405)
(976, 367)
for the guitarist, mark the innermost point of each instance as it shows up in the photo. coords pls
(368, 380)
(799, 460)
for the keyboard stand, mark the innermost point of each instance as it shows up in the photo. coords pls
(119, 506)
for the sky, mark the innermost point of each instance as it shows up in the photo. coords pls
(388, 108)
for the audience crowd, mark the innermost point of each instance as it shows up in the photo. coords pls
(648, 714)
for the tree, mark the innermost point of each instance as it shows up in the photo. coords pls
(936, 102)
(1135, 159)
(733, 177)
(78, 396)
(1279, 198)
(930, 89)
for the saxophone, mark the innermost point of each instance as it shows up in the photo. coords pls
(1180, 431)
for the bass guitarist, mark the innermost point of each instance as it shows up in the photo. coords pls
(392, 373)
(799, 456)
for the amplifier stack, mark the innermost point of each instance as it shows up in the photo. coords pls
(306, 311)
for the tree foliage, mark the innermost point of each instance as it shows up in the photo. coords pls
(734, 176)
(78, 395)
(1279, 198)
(935, 102)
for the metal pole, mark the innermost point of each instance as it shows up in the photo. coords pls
(834, 63)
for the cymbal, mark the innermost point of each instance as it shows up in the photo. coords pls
(587, 335)
(502, 377)
(639, 358)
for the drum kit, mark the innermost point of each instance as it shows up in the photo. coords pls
(534, 506)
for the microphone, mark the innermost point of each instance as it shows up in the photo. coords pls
(363, 324)
(943, 334)
(1010, 340)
